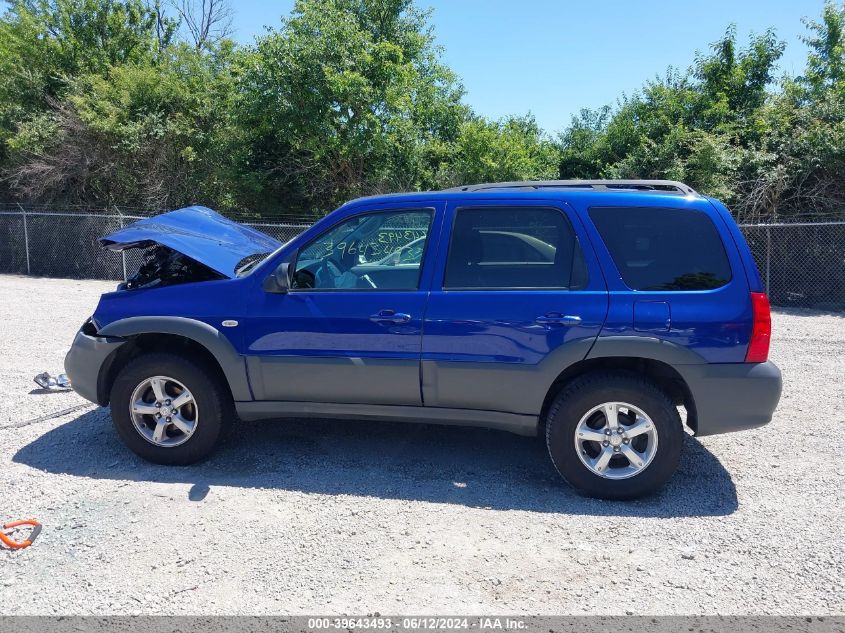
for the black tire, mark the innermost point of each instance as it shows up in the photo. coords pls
(213, 401)
(591, 390)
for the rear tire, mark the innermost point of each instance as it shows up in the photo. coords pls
(632, 456)
(151, 384)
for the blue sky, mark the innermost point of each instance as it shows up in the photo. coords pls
(553, 57)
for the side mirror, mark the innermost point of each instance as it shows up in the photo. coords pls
(279, 281)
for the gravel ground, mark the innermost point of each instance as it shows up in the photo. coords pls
(328, 516)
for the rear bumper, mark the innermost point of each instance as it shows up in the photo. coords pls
(732, 396)
(85, 362)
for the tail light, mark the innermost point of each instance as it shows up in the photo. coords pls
(761, 332)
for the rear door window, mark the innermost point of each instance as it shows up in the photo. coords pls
(512, 248)
(663, 249)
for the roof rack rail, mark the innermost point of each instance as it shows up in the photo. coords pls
(669, 186)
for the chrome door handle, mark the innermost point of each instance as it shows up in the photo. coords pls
(554, 318)
(390, 316)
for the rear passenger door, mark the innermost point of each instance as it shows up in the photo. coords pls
(517, 296)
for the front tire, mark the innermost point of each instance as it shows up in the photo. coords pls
(614, 435)
(169, 409)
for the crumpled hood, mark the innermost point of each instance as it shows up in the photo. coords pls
(198, 233)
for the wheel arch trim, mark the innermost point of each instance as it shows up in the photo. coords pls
(644, 347)
(232, 363)
(624, 350)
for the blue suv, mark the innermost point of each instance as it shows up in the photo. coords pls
(591, 312)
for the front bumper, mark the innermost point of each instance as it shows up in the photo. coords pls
(86, 364)
(732, 396)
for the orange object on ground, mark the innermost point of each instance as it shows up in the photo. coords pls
(36, 530)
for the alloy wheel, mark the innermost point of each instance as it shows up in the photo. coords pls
(616, 440)
(163, 411)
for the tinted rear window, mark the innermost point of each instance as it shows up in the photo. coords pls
(513, 247)
(663, 249)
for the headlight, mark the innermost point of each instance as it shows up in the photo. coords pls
(90, 327)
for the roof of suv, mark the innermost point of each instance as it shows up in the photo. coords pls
(653, 187)
(650, 186)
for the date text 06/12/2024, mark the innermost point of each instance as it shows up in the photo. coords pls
(417, 623)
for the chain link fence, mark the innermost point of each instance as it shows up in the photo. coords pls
(64, 243)
(802, 263)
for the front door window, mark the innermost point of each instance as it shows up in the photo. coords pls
(375, 251)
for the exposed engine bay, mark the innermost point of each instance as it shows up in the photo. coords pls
(165, 267)
(189, 245)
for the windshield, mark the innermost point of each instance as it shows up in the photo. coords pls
(249, 263)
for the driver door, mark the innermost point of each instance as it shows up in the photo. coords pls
(350, 328)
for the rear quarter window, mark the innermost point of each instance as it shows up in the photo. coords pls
(663, 249)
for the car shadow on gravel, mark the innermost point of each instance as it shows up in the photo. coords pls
(421, 462)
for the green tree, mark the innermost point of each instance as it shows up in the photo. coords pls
(826, 59)
(115, 102)
(582, 145)
(46, 44)
(697, 126)
(733, 83)
(347, 97)
(797, 162)
(142, 135)
(514, 148)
